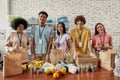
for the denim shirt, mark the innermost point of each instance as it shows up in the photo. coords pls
(46, 34)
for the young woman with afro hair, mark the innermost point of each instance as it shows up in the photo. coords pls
(18, 39)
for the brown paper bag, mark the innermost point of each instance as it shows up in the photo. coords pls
(12, 64)
(56, 55)
(107, 59)
(24, 55)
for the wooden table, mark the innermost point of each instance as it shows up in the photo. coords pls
(97, 75)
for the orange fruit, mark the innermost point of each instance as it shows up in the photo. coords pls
(63, 70)
(53, 70)
(56, 75)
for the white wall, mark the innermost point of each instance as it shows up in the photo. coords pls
(3, 14)
(3, 20)
(105, 11)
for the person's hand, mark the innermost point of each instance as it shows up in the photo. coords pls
(92, 55)
(54, 42)
(33, 57)
(106, 46)
(75, 55)
(12, 49)
(98, 47)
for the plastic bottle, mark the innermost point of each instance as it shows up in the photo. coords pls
(117, 65)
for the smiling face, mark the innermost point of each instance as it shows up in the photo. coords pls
(42, 18)
(79, 23)
(60, 28)
(20, 28)
(100, 28)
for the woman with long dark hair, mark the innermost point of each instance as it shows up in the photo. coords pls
(62, 39)
(101, 40)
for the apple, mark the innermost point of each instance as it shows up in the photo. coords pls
(24, 67)
(47, 71)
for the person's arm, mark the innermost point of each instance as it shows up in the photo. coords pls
(111, 45)
(90, 49)
(52, 35)
(73, 41)
(8, 44)
(68, 45)
(89, 46)
(32, 45)
(94, 45)
(49, 49)
(89, 42)
(49, 45)
(68, 42)
(28, 43)
(93, 42)
(73, 47)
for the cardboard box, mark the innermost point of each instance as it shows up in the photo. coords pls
(86, 60)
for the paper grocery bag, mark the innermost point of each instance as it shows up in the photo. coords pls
(12, 64)
(56, 55)
(24, 55)
(113, 53)
(107, 59)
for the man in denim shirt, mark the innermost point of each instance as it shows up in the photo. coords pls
(41, 38)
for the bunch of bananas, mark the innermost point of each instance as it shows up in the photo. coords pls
(36, 63)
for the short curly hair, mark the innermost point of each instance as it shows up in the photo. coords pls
(17, 21)
(81, 18)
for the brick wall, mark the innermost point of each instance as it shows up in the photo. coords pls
(105, 11)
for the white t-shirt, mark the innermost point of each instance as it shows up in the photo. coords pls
(62, 41)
